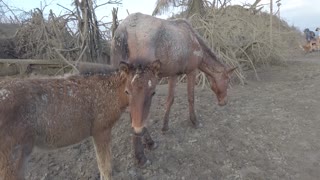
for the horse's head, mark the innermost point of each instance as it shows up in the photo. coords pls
(219, 80)
(140, 87)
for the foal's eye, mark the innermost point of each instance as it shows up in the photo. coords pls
(127, 92)
(153, 93)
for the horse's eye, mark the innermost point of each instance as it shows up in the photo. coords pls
(153, 93)
(127, 92)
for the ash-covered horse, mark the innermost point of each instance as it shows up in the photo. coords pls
(51, 113)
(180, 51)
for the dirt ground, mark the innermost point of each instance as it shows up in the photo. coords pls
(269, 130)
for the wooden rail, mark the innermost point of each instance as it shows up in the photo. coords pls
(13, 67)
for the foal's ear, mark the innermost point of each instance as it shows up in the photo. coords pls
(155, 67)
(124, 67)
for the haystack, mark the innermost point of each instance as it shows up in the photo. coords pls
(241, 37)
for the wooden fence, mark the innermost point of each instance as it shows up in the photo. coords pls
(23, 67)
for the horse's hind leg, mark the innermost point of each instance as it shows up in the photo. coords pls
(102, 142)
(191, 77)
(172, 84)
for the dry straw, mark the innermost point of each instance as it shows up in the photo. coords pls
(73, 36)
(241, 38)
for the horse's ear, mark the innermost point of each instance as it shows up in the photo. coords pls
(155, 67)
(230, 71)
(124, 67)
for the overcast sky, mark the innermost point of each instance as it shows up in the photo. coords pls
(300, 13)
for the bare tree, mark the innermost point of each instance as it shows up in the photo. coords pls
(115, 22)
(88, 28)
(271, 17)
(90, 35)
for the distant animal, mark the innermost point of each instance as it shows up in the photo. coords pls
(313, 45)
(178, 49)
(310, 35)
(51, 113)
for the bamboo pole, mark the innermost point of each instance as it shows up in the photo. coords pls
(271, 15)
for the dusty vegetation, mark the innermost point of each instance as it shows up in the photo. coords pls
(269, 137)
(240, 35)
(76, 35)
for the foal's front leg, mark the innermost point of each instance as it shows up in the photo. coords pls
(102, 144)
(138, 136)
(170, 99)
(148, 141)
(14, 151)
(191, 78)
(12, 160)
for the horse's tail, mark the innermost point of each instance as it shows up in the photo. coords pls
(119, 46)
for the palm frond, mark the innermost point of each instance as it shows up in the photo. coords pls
(163, 6)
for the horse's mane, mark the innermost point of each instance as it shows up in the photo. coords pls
(140, 65)
(200, 40)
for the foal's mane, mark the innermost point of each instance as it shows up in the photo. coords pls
(110, 75)
(139, 66)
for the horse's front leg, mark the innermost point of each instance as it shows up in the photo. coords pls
(191, 78)
(172, 84)
(148, 141)
(102, 144)
(138, 146)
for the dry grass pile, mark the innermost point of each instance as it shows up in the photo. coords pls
(7, 45)
(242, 38)
(76, 35)
(38, 38)
(8, 30)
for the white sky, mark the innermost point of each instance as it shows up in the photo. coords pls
(300, 13)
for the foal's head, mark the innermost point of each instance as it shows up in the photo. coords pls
(142, 79)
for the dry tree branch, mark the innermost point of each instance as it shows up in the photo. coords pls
(14, 15)
(109, 2)
(68, 50)
(72, 12)
(82, 53)
(66, 61)
(115, 22)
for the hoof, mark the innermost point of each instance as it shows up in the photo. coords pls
(200, 125)
(197, 125)
(98, 177)
(164, 129)
(153, 146)
(145, 164)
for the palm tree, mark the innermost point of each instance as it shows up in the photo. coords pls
(193, 6)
